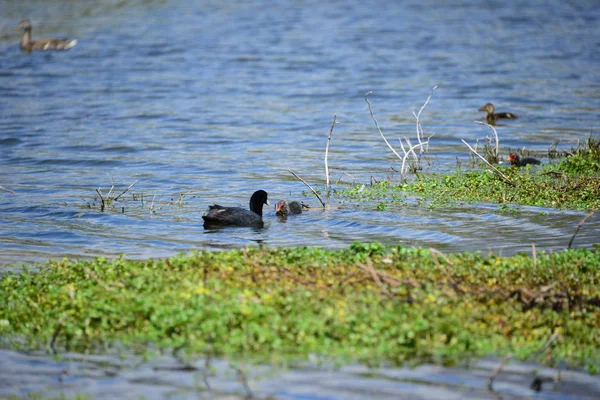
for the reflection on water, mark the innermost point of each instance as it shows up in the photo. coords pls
(109, 377)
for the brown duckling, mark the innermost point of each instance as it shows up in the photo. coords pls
(283, 208)
(28, 45)
(491, 116)
(515, 159)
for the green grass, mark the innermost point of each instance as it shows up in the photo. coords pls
(574, 183)
(368, 303)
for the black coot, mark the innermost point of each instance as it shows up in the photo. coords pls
(283, 208)
(237, 216)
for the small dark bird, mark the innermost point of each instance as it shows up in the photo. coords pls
(28, 45)
(237, 216)
(515, 159)
(283, 208)
(491, 117)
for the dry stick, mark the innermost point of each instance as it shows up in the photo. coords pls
(244, 380)
(101, 199)
(8, 190)
(181, 197)
(310, 187)
(495, 134)
(369, 268)
(497, 371)
(377, 125)
(56, 333)
(439, 253)
(491, 166)
(152, 205)
(418, 116)
(205, 372)
(110, 191)
(406, 154)
(579, 225)
(326, 153)
(125, 191)
(534, 255)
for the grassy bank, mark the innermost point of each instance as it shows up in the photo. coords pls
(368, 303)
(573, 183)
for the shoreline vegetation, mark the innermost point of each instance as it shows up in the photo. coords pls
(573, 183)
(369, 303)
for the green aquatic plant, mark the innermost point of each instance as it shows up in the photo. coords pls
(368, 303)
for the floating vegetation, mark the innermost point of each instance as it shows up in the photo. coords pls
(573, 183)
(368, 303)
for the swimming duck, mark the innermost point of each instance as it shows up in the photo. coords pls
(491, 116)
(28, 45)
(515, 159)
(283, 208)
(237, 216)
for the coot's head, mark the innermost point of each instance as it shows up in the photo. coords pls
(257, 200)
(281, 208)
(514, 158)
(489, 108)
(25, 25)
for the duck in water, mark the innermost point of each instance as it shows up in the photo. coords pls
(236, 216)
(491, 117)
(516, 160)
(28, 45)
(283, 208)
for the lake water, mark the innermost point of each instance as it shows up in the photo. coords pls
(214, 100)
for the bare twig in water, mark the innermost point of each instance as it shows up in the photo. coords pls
(534, 253)
(378, 128)
(205, 371)
(497, 371)
(8, 190)
(423, 145)
(59, 327)
(326, 154)
(244, 380)
(579, 225)
(152, 205)
(310, 187)
(101, 199)
(497, 148)
(110, 191)
(504, 177)
(125, 191)
(420, 134)
(411, 149)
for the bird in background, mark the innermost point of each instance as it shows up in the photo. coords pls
(491, 116)
(28, 45)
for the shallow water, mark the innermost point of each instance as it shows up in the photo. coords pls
(106, 377)
(216, 99)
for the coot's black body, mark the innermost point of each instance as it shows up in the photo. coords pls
(236, 216)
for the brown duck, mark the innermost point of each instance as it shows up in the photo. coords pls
(28, 45)
(491, 116)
